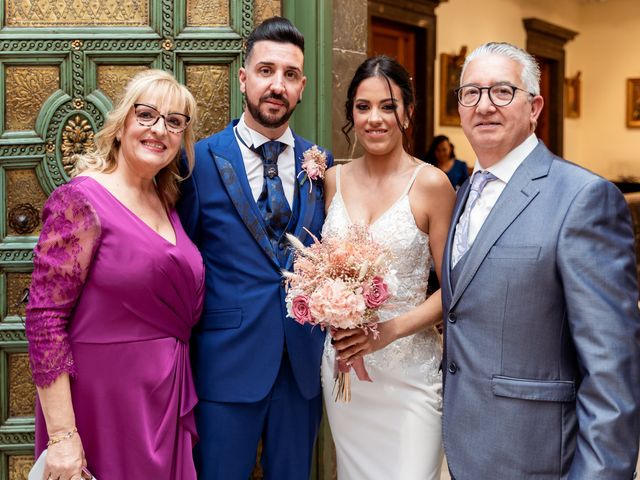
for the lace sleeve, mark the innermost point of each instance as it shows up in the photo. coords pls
(68, 241)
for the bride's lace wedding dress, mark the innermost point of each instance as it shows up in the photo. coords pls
(391, 429)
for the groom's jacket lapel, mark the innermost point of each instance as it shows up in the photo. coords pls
(308, 194)
(517, 195)
(228, 160)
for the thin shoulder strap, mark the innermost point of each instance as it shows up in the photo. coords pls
(338, 167)
(413, 179)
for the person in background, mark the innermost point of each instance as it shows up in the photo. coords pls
(442, 155)
(257, 371)
(116, 287)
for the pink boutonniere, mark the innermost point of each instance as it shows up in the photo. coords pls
(314, 164)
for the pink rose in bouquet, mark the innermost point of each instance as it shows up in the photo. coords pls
(300, 309)
(376, 292)
(340, 282)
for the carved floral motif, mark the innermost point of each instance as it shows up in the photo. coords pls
(77, 138)
(167, 44)
(24, 218)
(27, 87)
(22, 188)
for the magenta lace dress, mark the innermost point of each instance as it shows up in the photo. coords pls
(113, 303)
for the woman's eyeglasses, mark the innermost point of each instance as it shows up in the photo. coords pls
(147, 116)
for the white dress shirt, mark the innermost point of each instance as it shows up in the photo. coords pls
(253, 162)
(503, 170)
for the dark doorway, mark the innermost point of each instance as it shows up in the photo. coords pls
(543, 130)
(398, 40)
(405, 30)
(546, 42)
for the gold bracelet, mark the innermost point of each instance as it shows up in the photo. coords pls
(61, 437)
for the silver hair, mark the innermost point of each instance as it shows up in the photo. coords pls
(530, 74)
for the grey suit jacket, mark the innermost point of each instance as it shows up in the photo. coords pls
(542, 332)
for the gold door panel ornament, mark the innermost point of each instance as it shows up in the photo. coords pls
(210, 86)
(264, 9)
(111, 79)
(77, 138)
(27, 87)
(207, 13)
(17, 284)
(66, 13)
(19, 466)
(23, 189)
(22, 392)
(68, 126)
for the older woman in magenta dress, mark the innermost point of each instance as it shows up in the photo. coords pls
(116, 289)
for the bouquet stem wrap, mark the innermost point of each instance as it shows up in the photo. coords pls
(342, 385)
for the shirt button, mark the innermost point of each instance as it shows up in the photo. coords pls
(453, 368)
(452, 317)
(281, 246)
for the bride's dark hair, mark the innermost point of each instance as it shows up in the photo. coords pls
(391, 71)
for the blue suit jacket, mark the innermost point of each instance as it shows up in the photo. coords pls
(542, 332)
(238, 344)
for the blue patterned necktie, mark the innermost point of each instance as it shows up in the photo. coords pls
(461, 237)
(272, 201)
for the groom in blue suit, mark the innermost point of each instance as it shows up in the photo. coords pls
(257, 372)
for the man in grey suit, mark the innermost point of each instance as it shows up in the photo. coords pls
(542, 327)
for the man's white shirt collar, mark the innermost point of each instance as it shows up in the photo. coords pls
(256, 139)
(507, 166)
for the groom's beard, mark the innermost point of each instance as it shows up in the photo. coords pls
(269, 120)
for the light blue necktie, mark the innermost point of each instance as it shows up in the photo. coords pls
(461, 237)
(272, 201)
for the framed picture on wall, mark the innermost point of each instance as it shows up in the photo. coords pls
(450, 69)
(572, 96)
(633, 102)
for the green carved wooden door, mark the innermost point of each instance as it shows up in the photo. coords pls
(62, 62)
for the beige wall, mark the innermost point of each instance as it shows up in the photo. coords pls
(606, 51)
(349, 51)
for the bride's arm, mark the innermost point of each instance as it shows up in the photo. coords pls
(432, 199)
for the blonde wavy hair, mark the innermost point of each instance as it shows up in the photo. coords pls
(107, 144)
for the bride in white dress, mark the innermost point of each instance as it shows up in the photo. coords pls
(391, 428)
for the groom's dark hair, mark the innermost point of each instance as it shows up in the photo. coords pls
(275, 29)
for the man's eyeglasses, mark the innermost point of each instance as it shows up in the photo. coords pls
(500, 94)
(147, 116)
